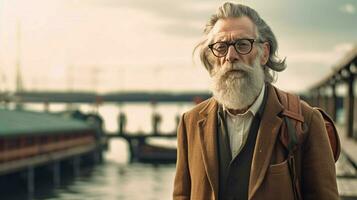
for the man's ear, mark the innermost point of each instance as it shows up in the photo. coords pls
(266, 51)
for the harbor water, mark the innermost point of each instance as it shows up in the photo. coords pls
(115, 178)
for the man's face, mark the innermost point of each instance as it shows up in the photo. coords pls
(237, 79)
(230, 30)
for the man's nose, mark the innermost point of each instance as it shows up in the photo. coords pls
(232, 55)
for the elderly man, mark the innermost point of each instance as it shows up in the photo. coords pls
(229, 146)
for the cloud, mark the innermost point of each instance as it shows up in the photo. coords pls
(164, 9)
(327, 57)
(348, 8)
(177, 18)
(182, 29)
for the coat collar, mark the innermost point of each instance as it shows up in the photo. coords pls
(207, 125)
(267, 134)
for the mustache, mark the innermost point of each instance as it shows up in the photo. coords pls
(234, 67)
(237, 67)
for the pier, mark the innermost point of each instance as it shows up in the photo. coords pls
(32, 140)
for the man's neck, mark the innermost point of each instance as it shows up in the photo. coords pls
(240, 111)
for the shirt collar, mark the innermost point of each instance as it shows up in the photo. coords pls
(254, 108)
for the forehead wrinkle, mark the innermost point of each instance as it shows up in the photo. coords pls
(229, 36)
(232, 29)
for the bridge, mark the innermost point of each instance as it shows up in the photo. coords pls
(91, 97)
(324, 94)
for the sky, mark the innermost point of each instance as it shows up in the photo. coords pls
(125, 45)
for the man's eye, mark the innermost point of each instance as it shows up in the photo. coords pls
(242, 44)
(220, 47)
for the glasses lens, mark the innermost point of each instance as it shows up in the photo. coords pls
(220, 49)
(243, 46)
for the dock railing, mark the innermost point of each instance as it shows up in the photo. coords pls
(324, 93)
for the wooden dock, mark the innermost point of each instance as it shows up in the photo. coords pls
(29, 140)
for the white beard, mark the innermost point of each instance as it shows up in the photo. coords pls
(237, 89)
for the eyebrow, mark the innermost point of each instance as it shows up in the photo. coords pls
(221, 38)
(224, 38)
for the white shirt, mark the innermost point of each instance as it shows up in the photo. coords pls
(238, 125)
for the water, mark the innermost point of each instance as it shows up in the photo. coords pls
(115, 179)
(119, 182)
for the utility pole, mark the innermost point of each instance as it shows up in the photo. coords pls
(69, 77)
(19, 82)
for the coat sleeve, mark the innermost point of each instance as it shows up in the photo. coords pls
(182, 182)
(318, 165)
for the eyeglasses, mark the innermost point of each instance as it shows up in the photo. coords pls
(242, 46)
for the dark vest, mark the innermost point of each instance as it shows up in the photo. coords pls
(234, 173)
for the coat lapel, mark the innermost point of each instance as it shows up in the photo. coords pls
(208, 138)
(267, 134)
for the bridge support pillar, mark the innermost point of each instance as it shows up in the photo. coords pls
(76, 165)
(30, 182)
(56, 174)
(350, 106)
(317, 98)
(325, 99)
(46, 106)
(121, 123)
(333, 104)
(97, 156)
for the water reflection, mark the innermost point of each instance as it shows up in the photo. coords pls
(109, 180)
(113, 179)
(120, 182)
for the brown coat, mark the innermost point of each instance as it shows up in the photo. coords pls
(197, 160)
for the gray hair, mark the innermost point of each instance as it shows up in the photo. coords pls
(263, 31)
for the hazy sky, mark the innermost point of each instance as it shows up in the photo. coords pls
(113, 45)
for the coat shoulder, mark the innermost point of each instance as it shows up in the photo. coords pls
(194, 112)
(308, 111)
